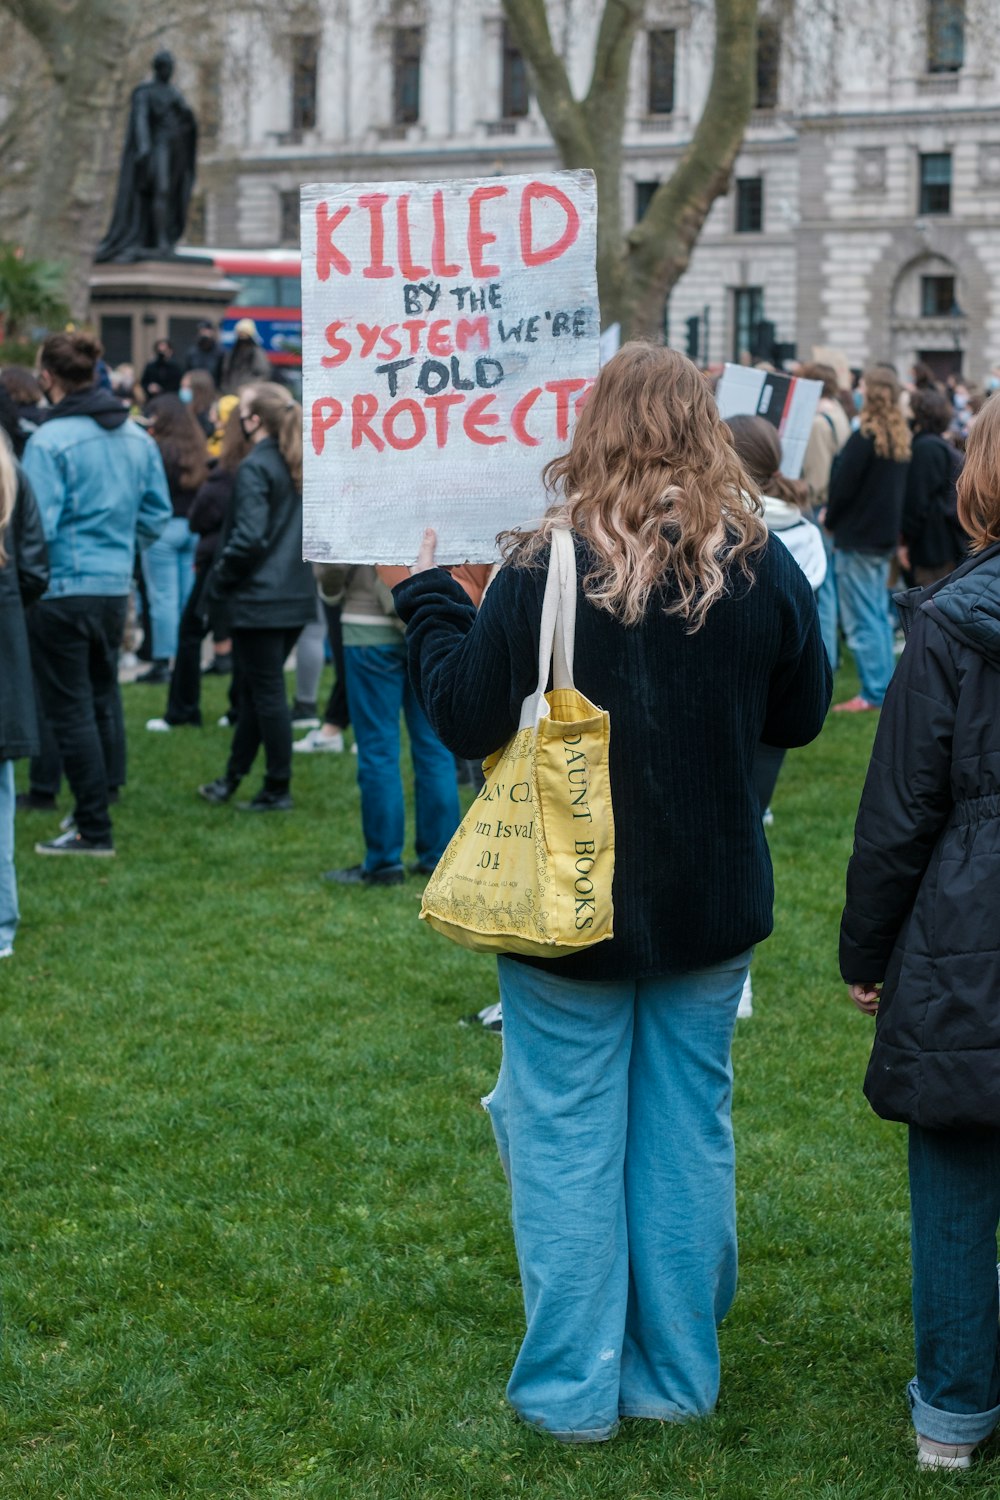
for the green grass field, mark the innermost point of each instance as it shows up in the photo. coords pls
(255, 1237)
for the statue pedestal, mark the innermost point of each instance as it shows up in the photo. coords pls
(135, 304)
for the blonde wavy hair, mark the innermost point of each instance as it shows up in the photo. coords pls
(8, 492)
(881, 416)
(979, 481)
(653, 485)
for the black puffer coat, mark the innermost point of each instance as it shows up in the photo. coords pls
(24, 578)
(923, 885)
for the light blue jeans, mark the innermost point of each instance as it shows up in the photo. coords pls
(8, 880)
(168, 567)
(827, 606)
(612, 1118)
(863, 591)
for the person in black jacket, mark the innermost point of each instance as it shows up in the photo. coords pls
(863, 513)
(267, 590)
(612, 1111)
(933, 543)
(24, 577)
(920, 950)
(161, 375)
(206, 517)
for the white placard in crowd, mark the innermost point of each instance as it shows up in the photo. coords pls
(786, 402)
(450, 332)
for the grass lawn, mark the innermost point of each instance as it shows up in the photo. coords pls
(255, 1237)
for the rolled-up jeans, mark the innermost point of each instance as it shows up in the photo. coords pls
(954, 1212)
(612, 1118)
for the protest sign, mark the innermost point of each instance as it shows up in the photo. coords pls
(787, 402)
(450, 334)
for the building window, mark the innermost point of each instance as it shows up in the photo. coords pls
(643, 198)
(514, 82)
(305, 52)
(407, 44)
(749, 205)
(937, 296)
(945, 35)
(935, 183)
(209, 105)
(748, 312)
(289, 222)
(660, 87)
(768, 57)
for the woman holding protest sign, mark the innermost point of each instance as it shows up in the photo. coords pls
(612, 1110)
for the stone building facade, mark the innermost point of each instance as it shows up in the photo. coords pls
(864, 210)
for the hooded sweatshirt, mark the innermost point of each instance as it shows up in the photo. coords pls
(800, 535)
(100, 486)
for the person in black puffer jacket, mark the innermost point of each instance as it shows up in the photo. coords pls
(267, 590)
(920, 949)
(24, 577)
(933, 541)
(206, 519)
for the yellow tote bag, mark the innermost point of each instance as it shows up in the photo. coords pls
(530, 868)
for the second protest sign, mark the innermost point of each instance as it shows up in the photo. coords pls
(450, 334)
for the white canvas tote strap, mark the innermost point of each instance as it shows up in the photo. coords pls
(557, 629)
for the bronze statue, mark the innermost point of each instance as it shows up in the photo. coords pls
(157, 172)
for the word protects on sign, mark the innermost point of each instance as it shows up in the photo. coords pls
(450, 335)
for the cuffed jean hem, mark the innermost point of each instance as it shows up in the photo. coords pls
(950, 1426)
(573, 1434)
(661, 1414)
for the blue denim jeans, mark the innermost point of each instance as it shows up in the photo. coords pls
(612, 1118)
(378, 688)
(168, 567)
(863, 591)
(827, 606)
(8, 880)
(955, 1209)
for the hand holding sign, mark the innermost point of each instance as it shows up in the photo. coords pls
(450, 334)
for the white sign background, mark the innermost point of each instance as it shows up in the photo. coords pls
(488, 355)
(739, 393)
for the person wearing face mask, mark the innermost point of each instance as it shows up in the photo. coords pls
(205, 353)
(266, 590)
(161, 376)
(245, 362)
(198, 394)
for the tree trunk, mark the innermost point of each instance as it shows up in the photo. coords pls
(635, 274)
(86, 46)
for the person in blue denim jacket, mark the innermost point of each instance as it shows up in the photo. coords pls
(101, 488)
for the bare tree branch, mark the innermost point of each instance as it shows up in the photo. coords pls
(562, 112)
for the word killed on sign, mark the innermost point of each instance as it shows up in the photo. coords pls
(450, 338)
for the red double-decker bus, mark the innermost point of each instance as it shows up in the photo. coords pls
(270, 292)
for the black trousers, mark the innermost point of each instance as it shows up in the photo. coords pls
(46, 767)
(264, 717)
(767, 763)
(336, 711)
(184, 699)
(74, 656)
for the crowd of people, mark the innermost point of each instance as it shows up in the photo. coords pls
(726, 588)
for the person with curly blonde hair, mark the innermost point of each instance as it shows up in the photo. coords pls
(864, 512)
(700, 637)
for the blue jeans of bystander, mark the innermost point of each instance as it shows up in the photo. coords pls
(863, 591)
(612, 1118)
(8, 880)
(168, 567)
(378, 688)
(955, 1209)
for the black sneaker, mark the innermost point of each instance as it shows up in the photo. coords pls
(304, 715)
(158, 674)
(34, 802)
(221, 665)
(218, 791)
(490, 1018)
(72, 842)
(418, 868)
(266, 801)
(358, 875)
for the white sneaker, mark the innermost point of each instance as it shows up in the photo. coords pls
(224, 722)
(767, 817)
(316, 741)
(7, 952)
(158, 726)
(745, 1007)
(932, 1455)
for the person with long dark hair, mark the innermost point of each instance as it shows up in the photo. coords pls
(920, 950)
(933, 542)
(168, 565)
(267, 590)
(612, 1110)
(206, 516)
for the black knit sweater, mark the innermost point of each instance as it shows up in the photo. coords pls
(693, 883)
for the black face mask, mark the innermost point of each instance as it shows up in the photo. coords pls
(205, 341)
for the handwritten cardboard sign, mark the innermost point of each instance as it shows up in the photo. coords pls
(787, 402)
(450, 333)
